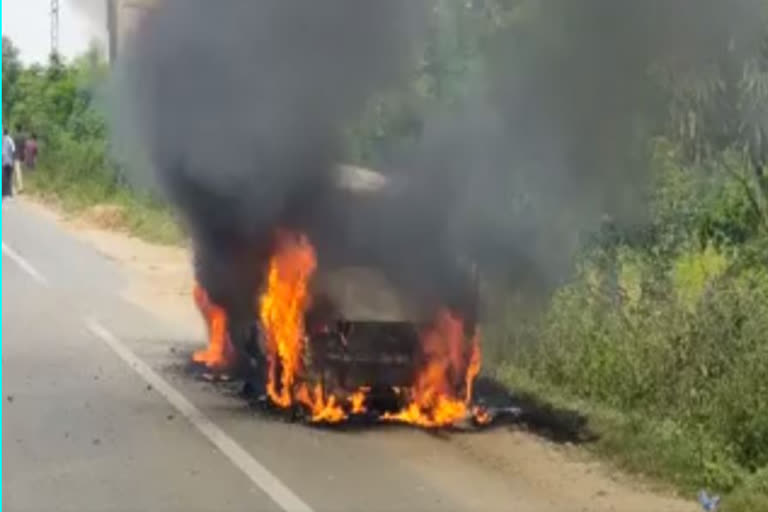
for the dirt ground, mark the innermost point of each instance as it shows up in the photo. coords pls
(161, 281)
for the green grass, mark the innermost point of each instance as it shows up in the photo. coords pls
(662, 450)
(752, 496)
(667, 452)
(136, 215)
(669, 361)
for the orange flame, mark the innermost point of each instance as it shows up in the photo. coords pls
(441, 392)
(219, 354)
(473, 369)
(357, 401)
(434, 401)
(482, 416)
(323, 409)
(282, 309)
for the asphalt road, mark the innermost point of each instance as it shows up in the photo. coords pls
(97, 417)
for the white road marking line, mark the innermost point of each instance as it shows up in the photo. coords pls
(25, 265)
(258, 474)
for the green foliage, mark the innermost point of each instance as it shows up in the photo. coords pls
(75, 166)
(670, 331)
(752, 496)
(450, 67)
(11, 70)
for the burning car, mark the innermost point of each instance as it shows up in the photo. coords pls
(337, 337)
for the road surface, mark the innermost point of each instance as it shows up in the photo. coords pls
(97, 417)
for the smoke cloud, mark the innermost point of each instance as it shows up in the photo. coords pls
(558, 137)
(241, 105)
(94, 12)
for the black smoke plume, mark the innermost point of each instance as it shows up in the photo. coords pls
(242, 104)
(557, 136)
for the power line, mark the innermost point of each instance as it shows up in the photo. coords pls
(54, 27)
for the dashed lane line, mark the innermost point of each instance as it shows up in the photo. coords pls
(243, 460)
(24, 265)
(255, 471)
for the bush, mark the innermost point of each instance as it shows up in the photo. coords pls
(688, 350)
(76, 167)
(671, 331)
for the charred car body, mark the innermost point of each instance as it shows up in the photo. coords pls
(364, 322)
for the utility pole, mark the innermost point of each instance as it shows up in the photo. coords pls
(112, 29)
(54, 27)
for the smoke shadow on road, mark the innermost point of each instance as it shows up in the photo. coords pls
(525, 411)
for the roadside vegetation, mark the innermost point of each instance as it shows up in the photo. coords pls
(657, 330)
(59, 102)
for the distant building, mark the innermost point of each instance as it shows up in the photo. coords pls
(123, 18)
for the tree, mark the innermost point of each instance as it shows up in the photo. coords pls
(11, 70)
(723, 108)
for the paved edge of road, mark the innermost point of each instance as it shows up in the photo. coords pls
(244, 461)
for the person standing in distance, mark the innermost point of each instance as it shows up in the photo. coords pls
(30, 152)
(20, 143)
(9, 153)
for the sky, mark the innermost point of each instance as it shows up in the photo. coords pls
(28, 24)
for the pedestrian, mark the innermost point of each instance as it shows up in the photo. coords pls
(19, 143)
(30, 152)
(9, 151)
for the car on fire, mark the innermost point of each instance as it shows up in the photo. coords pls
(338, 336)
